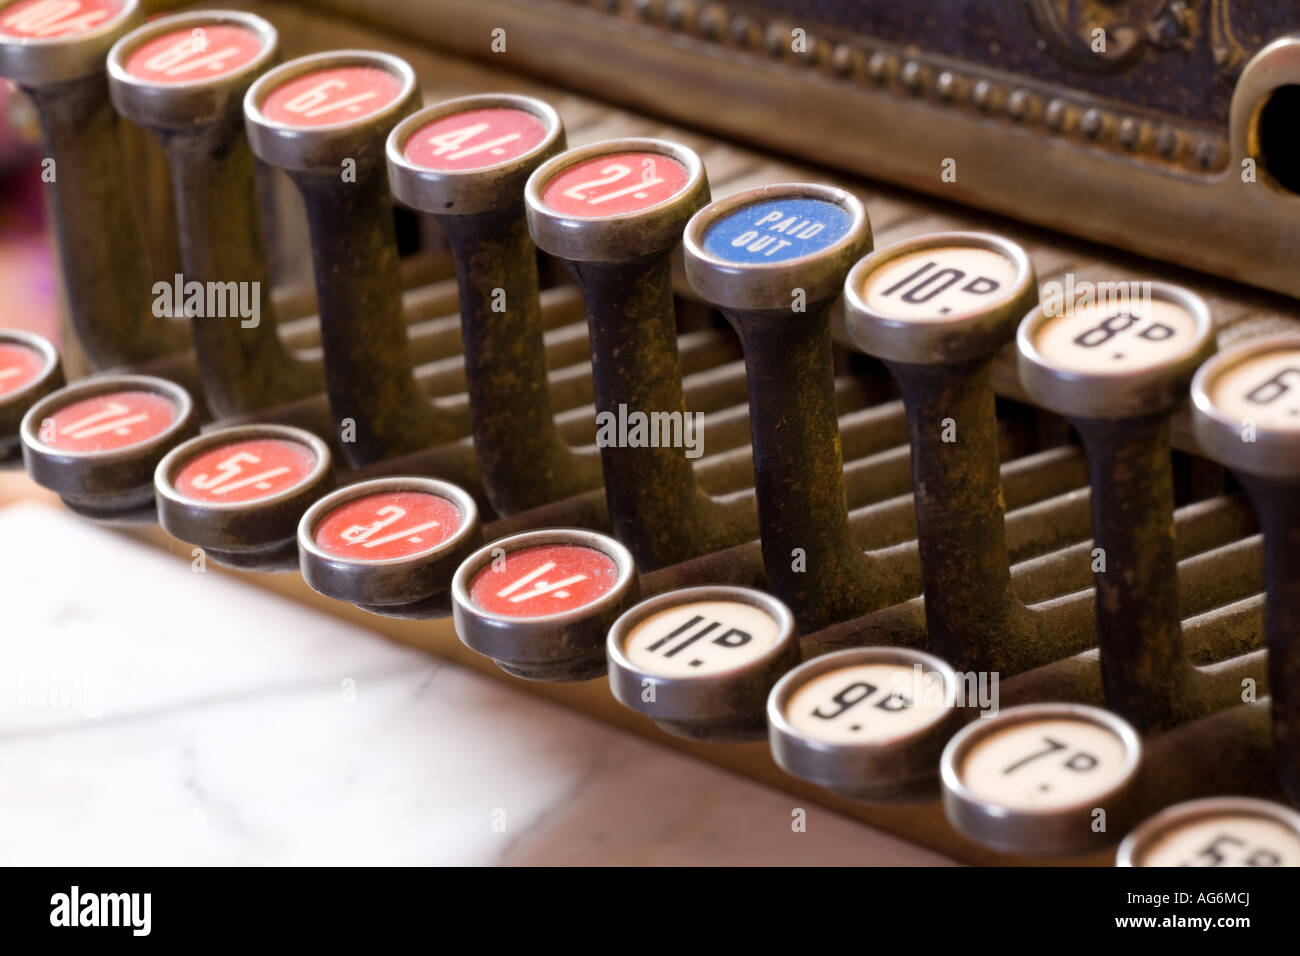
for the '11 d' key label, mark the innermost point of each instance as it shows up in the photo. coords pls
(701, 638)
(776, 230)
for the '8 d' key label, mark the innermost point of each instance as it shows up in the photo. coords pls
(777, 230)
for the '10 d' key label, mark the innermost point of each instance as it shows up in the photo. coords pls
(543, 580)
(108, 422)
(45, 19)
(245, 471)
(335, 95)
(701, 638)
(776, 230)
(191, 55)
(940, 284)
(390, 524)
(475, 139)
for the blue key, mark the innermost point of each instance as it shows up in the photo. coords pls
(776, 230)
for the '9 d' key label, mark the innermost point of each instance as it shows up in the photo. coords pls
(775, 230)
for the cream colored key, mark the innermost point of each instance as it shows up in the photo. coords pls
(1217, 831)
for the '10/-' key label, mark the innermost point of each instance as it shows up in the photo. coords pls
(776, 230)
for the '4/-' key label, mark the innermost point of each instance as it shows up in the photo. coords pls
(777, 230)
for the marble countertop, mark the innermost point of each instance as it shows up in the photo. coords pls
(153, 715)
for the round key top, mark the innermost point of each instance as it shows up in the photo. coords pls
(1216, 831)
(53, 41)
(188, 70)
(541, 603)
(316, 112)
(616, 200)
(1032, 779)
(390, 544)
(1246, 407)
(1114, 351)
(473, 154)
(700, 661)
(751, 250)
(97, 442)
(868, 723)
(29, 370)
(939, 299)
(240, 492)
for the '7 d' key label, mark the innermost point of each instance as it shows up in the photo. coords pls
(776, 230)
(542, 580)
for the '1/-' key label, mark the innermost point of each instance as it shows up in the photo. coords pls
(776, 230)
(542, 580)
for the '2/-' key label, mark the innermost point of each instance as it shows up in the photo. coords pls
(776, 230)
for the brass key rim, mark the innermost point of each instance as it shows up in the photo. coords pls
(959, 338)
(482, 189)
(871, 769)
(736, 692)
(1109, 395)
(760, 286)
(36, 61)
(1046, 831)
(1140, 840)
(1272, 454)
(616, 237)
(191, 102)
(322, 148)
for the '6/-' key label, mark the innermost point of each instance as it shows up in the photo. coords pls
(337, 95)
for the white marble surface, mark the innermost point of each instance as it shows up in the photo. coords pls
(152, 715)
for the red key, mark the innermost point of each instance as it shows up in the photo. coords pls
(542, 580)
(43, 19)
(108, 422)
(245, 470)
(193, 55)
(615, 184)
(336, 95)
(475, 139)
(389, 524)
(19, 367)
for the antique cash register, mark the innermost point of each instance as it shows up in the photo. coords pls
(896, 402)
